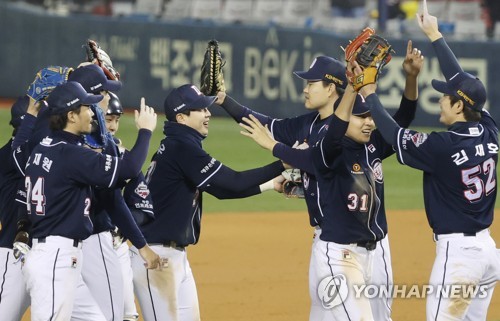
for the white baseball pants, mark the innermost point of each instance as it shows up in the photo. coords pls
(169, 294)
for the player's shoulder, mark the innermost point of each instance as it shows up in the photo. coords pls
(175, 147)
(308, 117)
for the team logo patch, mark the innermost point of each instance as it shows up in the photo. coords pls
(377, 170)
(306, 180)
(418, 138)
(142, 190)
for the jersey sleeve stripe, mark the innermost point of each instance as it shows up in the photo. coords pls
(215, 171)
(113, 178)
(272, 128)
(17, 163)
(400, 154)
(323, 154)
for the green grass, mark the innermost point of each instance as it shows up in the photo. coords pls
(403, 185)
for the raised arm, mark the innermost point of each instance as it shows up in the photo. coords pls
(412, 65)
(330, 144)
(447, 60)
(132, 162)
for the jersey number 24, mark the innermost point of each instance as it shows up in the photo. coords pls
(35, 195)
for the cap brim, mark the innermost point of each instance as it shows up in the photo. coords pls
(360, 106)
(441, 86)
(202, 102)
(91, 99)
(360, 110)
(306, 75)
(112, 85)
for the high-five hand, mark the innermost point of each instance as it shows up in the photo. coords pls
(260, 134)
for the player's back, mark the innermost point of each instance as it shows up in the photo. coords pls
(460, 192)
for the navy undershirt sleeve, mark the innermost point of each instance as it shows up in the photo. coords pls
(237, 111)
(406, 112)
(132, 161)
(118, 211)
(385, 123)
(447, 60)
(240, 182)
(222, 193)
(298, 158)
(24, 131)
(336, 131)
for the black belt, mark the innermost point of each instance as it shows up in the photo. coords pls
(171, 244)
(368, 245)
(76, 242)
(436, 236)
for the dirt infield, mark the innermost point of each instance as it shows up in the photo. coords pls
(254, 266)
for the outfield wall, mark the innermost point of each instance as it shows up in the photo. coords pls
(154, 57)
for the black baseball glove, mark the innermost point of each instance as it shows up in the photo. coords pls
(212, 79)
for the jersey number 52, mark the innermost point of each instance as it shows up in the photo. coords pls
(477, 186)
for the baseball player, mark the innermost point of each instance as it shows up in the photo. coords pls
(138, 199)
(460, 184)
(179, 173)
(322, 82)
(60, 176)
(14, 299)
(101, 269)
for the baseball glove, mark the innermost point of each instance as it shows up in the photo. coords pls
(21, 242)
(212, 79)
(98, 56)
(20, 245)
(46, 80)
(292, 186)
(372, 53)
(293, 189)
(118, 237)
(97, 138)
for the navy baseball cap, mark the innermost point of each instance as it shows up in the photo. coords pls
(69, 96)
(327, 69)
(464, 86)
(186, 97)
(93, 79)
(360, 106)
(18, 110)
